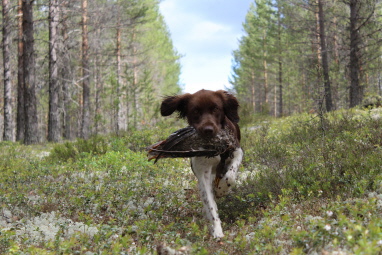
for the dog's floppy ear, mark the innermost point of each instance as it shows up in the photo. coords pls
(175, 103)
(231, 106)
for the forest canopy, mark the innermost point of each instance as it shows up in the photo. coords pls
(314, 55)
(79, 68)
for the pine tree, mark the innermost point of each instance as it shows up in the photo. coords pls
(31, 134)
(318, 60)
(254, 62)
(78, 89)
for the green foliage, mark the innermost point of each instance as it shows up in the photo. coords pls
(313, 185)
(355, 224)
(278, 58)
(135, 140)
(336, 156)
(149, 68)
(96, 145)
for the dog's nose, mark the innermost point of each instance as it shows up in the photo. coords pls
(208, 130)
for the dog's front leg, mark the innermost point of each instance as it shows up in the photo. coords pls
(202, 168)
(223, 186)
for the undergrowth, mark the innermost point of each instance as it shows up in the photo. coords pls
(309, 185)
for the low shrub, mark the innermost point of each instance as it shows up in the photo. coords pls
(309, 185)
(96, 145)
(341, 158)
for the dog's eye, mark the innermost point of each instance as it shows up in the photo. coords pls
(195, 118)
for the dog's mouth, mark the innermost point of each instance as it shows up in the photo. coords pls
(207, 132)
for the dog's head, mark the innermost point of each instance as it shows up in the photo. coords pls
(207, 111)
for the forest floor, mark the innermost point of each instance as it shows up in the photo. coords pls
(309, 184)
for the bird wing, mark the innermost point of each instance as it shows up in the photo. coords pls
(186, 142)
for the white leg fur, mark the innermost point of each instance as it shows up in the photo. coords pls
(204, 169)
(229, 179)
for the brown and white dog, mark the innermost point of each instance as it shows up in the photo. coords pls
(208, 112)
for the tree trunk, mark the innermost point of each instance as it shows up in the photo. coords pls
(280, 66)
(8, 114)
(135, 88)
(65, 75)
(121, 91)
(324, 57)
(280, 80)
(316, 42)
(85, 125)
(20, 122)
(30, 104)
(133, 95)
(356, 92)
(253, 91)
(265, 105)
(336, 43)
(54, 118)
(98, 89)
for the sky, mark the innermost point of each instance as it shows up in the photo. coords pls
(205, 33)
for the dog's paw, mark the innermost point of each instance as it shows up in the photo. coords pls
(223, 186)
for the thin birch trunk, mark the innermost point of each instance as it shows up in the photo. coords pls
(265, 70)
(121, 90)
(280, 66)
(85, 124)
(20, 117)
(65, 75)
(54, 117)
(8, 134)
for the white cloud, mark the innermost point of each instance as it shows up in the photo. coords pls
(206, 37)
(205, 30)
